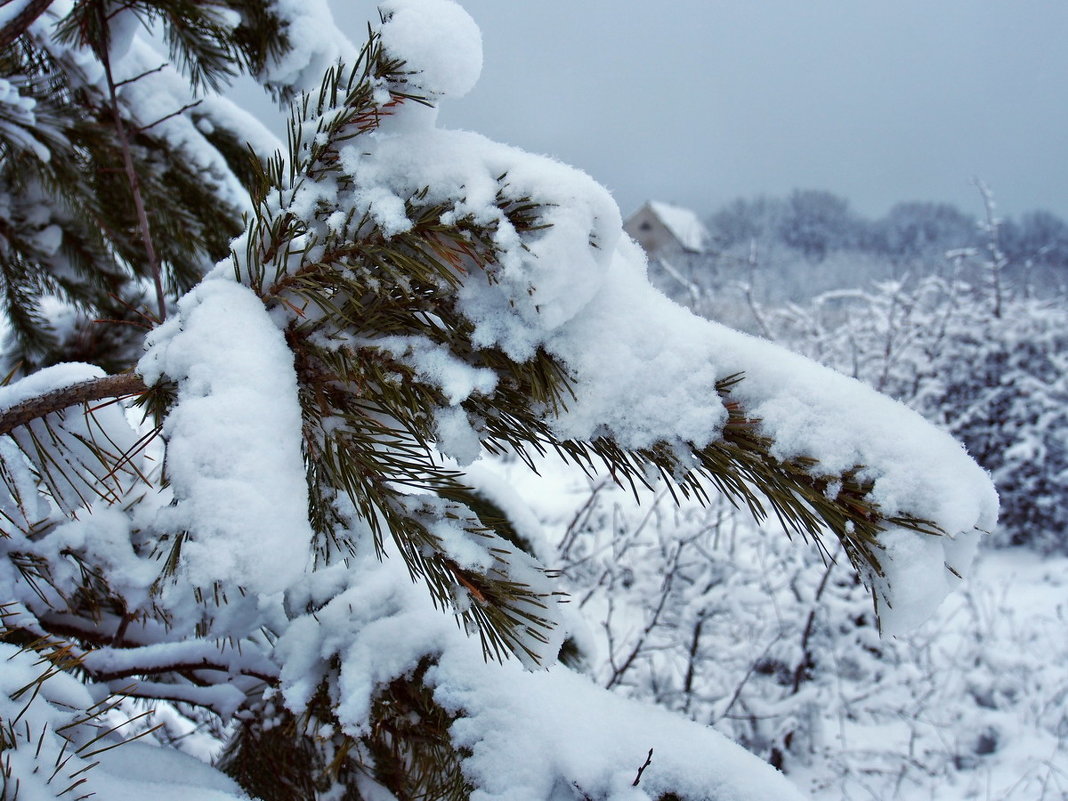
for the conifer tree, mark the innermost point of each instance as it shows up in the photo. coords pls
(124, 172)
(287, 542)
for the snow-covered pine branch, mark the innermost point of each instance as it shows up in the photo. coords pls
(405, 299)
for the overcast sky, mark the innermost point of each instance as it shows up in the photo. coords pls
(699, 101)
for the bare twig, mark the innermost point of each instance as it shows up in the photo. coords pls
(806, 656)
(752, 262)
(691, 666)
(173, 114)
(744, 681)
(641, 770)
(135, 78)
(574, 526)
(665, 592)
(991, 226)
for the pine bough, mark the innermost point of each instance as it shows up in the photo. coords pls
(271, 519)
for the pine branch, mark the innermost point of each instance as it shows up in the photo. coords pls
(22, 21)
(112, 386)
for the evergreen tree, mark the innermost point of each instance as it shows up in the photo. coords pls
(289, 546)
(123, 171)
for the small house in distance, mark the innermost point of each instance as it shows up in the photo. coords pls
(664, 230)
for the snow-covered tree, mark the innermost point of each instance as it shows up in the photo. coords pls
(272, 521)
(124, 171)
(817, 222)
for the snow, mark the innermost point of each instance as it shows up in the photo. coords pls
(136, 771)
(315, 45)
(46, 736)
(49, 379)
(598, 740)
(531, 734)
(874, 716)
(39, 715)
(684, 224)
(234, 440)
(644, 372)
(106, 537)
(491, 485)
(925, 565)
(436, 363)
(645, 369)
(436, 39)
(220, 111)
(531, 290)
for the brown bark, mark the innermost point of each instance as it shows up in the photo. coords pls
(132, 179)
(112, 386)
(21, 22)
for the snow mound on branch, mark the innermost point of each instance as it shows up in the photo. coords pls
(540, 281)
(234, 440)
(438, 40)
(527, 731)
(49, 734)
(315, 44)
(45, 380)
(531, 736)
(135, 771)
(40, 712)
(645, 369)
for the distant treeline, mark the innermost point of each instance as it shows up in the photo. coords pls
(817, 224)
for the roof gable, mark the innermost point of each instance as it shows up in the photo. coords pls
(684, 225)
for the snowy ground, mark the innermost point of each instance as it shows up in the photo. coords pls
(971, 705)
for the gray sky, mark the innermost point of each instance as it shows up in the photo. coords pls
(699, 101)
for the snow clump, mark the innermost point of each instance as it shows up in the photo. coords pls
(234, 439)
(436, 39)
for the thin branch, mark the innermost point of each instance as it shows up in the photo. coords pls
(992, 227)
(665, 591)
(641, 770)
(179, 667)
(173, 114)
(222, 699)
(691, 667)
(22, 21)
(112, 386)
(125, 81)
(134, 181)
(743, 682)
(806, 656)
(751, 263)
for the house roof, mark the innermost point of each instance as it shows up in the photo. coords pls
(683, 223)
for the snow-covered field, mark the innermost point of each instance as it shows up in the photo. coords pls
(706, 613)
